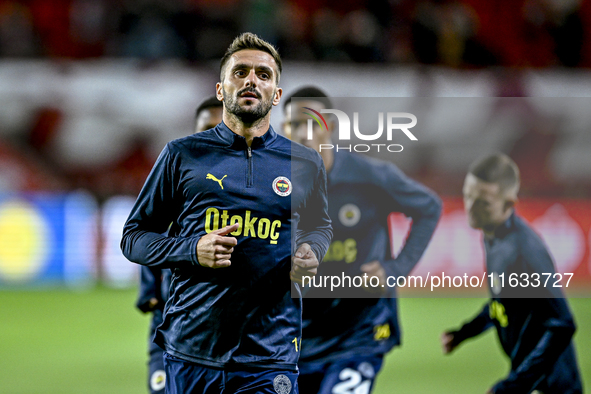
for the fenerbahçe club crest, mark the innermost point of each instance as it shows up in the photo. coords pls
(282, 384)
(282, 186)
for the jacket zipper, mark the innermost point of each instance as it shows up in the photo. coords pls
(249, 174)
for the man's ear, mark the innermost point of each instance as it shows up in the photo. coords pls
(277, 97)
(218, 91)
(510, 203)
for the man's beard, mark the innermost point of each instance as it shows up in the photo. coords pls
(247, 115)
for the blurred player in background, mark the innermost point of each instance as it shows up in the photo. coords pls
(345, 339)
(208, 114)
(535, 332)
(249, 219)
(155, 282)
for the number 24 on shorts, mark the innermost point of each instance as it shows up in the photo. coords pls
(351, 383)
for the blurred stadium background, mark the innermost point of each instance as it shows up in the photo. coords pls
(91, 90)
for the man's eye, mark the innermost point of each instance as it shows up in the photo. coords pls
(240, 73)
(264, 76)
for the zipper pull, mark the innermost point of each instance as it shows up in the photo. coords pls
(248, 152)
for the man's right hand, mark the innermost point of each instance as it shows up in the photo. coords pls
(214, 249)
(448, 342)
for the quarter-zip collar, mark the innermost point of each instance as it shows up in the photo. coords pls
(235, 141)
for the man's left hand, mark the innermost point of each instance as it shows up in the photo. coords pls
(304, 263)
(375, 268)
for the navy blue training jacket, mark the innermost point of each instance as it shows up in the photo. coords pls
(362, 193)
(535, 333)
(276, 190)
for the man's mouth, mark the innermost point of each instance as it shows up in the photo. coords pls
(249, 94)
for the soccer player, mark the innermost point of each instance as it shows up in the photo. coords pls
(155, 282)
(249, 219)
(535, 333)
(345, 339)
(208, 114)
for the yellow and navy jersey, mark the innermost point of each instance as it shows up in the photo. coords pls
(276, 191)
(362, 192)
(534, 323)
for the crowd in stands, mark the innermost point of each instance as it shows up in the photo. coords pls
(455, 33)
(549, 34)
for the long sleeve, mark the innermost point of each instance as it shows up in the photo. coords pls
(154, 210)
(479, 324)
(419, 203)
(314, 227)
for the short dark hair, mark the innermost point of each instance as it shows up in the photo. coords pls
(210, 102)
(309, 91)
(250, 41)
(497, 168)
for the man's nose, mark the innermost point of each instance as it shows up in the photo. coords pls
(251, 78)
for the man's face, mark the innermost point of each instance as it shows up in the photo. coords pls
(295, 126)
(208, 119)
(484, 203)
(249, 88)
